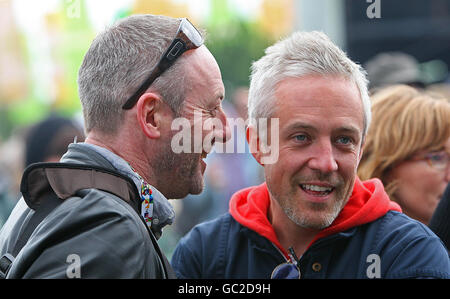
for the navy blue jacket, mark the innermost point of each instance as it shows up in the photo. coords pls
(223, 248)
(392, 246)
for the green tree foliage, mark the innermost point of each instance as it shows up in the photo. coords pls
(235, 46)
(235, 42)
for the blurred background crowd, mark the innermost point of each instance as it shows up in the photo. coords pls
(42, 44)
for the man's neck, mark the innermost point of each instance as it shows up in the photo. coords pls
(289, 233)
(125, 150)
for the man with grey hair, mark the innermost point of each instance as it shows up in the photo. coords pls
(99, 211)
(313, 217)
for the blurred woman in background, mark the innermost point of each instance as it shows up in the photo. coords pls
(407, 148)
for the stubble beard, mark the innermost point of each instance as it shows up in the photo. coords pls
(313, 215)
(178, 173)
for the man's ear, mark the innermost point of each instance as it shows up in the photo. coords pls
(148, 113)
(253, 143)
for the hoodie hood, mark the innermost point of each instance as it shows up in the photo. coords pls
(367, 203)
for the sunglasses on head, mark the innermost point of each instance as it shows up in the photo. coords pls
(187, 38)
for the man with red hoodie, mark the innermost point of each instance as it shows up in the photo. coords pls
(313, 217)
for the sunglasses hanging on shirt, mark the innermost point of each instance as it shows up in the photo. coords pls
(288, 270)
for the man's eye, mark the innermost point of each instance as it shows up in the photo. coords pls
(344, 140)
(301, 137)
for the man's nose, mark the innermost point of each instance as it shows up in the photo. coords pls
(223, 134)
(322, 157)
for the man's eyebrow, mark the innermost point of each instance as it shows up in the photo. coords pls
(348, 129)
(300, 126)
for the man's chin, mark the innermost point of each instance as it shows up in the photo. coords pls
(197, 186)
(316, 216)
(316, 222)
(194, 187)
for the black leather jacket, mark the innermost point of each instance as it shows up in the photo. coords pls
(99, 234)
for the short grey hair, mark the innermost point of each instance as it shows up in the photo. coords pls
(301, 54)
(117, 63)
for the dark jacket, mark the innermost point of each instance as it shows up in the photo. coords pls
(95, 234)
(440, 221)
(369, 239)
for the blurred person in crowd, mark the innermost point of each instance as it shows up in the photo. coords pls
(390, 68)
(137, 77)
(313, 217)
(439, 222)
(408, 147)
(45, 141)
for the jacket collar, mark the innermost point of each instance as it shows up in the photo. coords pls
(80, 168)
(163, 212)
(67, 179)
(89, 154)
(79, 153)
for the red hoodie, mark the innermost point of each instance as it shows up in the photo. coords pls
(367, 203)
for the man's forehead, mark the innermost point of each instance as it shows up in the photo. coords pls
(321, 98)
(315, 87)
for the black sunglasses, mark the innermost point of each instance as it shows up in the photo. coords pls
(288, 270)
(187, 38)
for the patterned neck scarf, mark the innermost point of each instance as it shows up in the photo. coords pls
(146, 202)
